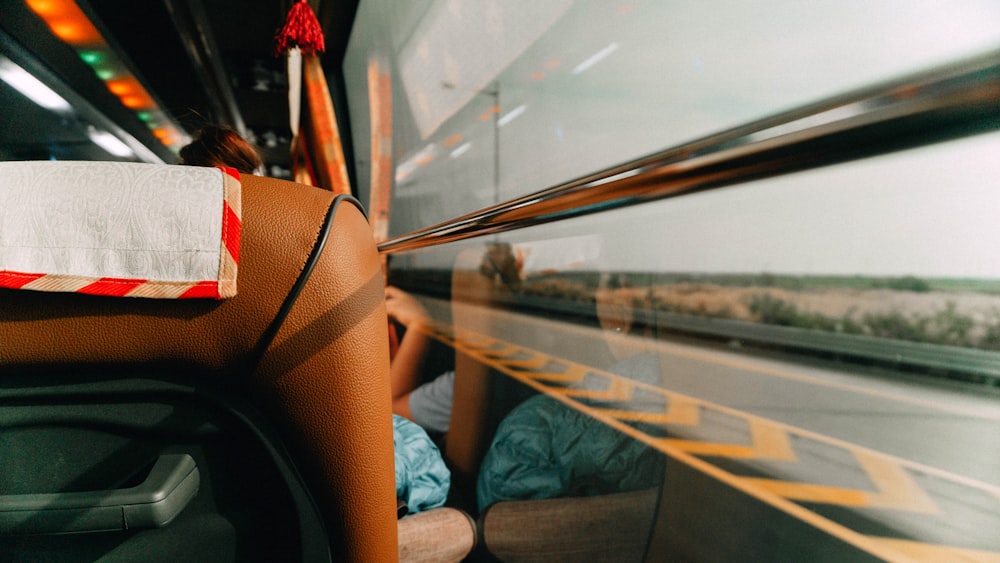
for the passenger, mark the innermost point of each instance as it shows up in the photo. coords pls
(422, 478)
(218, 145)
(427, 404)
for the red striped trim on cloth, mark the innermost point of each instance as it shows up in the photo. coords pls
(221, 288)
(17, 280)
(232, 227)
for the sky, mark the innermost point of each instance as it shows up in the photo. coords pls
(933, 211)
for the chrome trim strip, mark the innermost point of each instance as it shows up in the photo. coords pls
(956, 100)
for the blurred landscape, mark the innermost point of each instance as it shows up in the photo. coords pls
(945, 311)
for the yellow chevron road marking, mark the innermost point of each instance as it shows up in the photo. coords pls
(536, 362)
(734, 451)
(679, 411)
(896, 488)
(771, 441)
(574, 374)
(893, 486)
(618, 390)
(500, 349)
(808, 492)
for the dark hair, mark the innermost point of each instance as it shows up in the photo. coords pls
(217, 145)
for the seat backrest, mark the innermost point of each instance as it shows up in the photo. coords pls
(304, 338)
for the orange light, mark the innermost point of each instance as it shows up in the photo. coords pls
(450, 141)
(554, 63)
(134, 102)
(44, 7)
(120, 87)
(67, 21)
(68, 31)
(538, 76)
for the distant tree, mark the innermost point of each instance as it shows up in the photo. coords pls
(908, 283)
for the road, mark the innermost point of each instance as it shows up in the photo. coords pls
(869, 450)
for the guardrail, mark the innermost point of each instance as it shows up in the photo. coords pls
(980, 366)
(977, 366)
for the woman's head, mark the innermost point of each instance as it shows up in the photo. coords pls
(615, 310)
(221, 146)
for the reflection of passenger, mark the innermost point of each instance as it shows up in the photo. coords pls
(500, 264)
(546, 449)
(617, 308)
(427, 404)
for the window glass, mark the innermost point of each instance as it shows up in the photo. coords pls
(819, 349)
(802, 367)
(496, 99)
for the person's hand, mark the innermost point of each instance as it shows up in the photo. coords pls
(403, 307)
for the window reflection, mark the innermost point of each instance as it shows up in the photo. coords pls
(594, 334)
(811, 356)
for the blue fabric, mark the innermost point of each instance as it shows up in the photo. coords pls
(545, 449)
(422, 478)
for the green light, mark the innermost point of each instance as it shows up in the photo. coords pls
(105, 74)
(144, 115)
(91, 57)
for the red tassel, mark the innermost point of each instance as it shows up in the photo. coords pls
(301, 30)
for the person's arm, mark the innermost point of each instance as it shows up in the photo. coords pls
(405, 371)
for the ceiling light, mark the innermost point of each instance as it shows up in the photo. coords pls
(511, 115)
(462, 149)
(596, 58)
(31, 87)
(109, 142)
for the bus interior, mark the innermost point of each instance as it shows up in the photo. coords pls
(671, 281)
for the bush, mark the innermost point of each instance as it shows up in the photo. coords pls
(774, 311)
(896, 325)
(950, 327)
(908, 283)
(991, 336)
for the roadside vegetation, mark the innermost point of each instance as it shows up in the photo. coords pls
(765, 298)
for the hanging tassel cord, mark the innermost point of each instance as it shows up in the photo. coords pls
(301, 30)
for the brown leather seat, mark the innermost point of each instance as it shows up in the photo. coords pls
(305, 335)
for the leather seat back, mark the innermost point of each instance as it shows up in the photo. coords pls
(304, 337)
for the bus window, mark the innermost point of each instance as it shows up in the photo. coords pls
(737, 339)
(793, 358)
